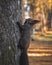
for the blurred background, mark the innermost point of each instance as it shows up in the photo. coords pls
(40, 49)
(38, 10)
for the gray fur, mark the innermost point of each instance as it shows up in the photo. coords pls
(25, 39)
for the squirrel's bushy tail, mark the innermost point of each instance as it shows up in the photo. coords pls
(24, 58)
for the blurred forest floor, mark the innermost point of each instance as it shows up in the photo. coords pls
(40, 52)
(43, 37)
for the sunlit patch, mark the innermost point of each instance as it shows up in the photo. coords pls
(39, 50)
(39, 54)
(9, 47)
(27, 15)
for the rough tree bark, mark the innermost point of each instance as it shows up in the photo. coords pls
(9, 33)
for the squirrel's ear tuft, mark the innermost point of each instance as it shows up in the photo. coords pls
(34, 22)
(31, 21)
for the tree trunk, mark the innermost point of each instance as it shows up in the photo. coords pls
(9, 33)
(49, 20)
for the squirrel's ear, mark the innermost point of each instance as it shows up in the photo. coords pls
(34, 22)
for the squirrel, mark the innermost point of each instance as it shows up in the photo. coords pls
(24, 41)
